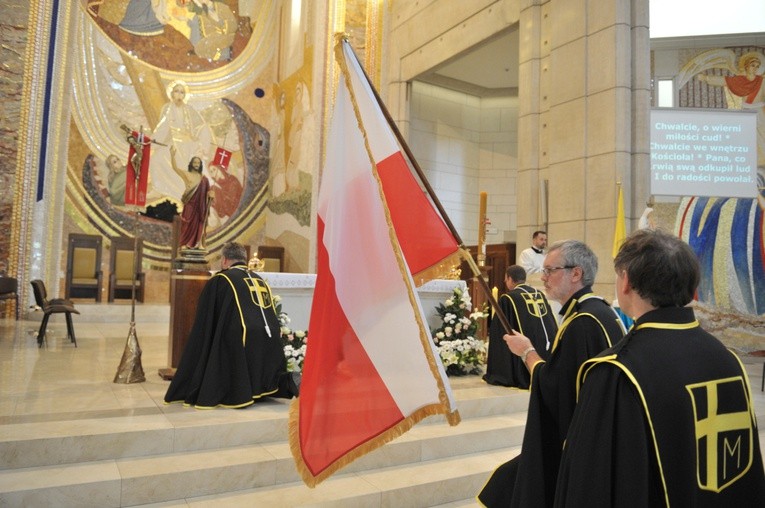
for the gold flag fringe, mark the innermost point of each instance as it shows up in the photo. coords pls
(312, 480)
(443, 407)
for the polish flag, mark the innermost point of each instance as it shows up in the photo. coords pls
(371, 369)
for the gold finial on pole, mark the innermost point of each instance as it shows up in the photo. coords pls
(255, 264)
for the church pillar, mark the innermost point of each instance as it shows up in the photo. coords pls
(582, 123)
(640, 179)
(39, 195)
(14, 37)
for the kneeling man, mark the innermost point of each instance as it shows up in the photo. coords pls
(234, 354)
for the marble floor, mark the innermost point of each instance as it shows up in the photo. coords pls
(48, 383)
(41, 383)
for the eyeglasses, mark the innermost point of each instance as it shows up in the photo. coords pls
(548, 271)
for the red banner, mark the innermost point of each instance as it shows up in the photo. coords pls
(138, 158)
(222, 158)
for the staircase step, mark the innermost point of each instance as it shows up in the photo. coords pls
(162, 455)
(463, 503)
(195, 473)
(171, 456)
(175, 428)
(88, 484)
(428, 483)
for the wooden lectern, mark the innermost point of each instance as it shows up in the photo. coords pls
(185, 287)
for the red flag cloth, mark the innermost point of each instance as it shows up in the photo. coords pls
(140, 151)
(429, 247)
(371, 369)
(222, 158)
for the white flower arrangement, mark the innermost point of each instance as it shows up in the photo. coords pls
(294, 357)
(461, 352)
(293, 341)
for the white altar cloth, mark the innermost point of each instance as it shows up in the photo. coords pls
(296, 292)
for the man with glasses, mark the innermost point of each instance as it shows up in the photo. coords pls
(665, 417)
(588, 326)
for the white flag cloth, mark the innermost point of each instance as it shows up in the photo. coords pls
(371, 369)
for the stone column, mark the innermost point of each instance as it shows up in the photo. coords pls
(38, 212)
(582, 126)
(14, 38)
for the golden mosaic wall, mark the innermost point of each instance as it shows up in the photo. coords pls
(234, 81)
(202, 79)
(242, 73)
(13, 37)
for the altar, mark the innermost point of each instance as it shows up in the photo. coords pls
(296, 292)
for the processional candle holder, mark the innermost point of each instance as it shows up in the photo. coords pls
(130, 369)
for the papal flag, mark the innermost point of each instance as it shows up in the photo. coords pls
(620, 229)
(371, 370)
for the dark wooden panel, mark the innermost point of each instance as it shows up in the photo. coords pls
(185, 288)
(498, 258)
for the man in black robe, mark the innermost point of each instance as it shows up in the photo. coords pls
(234, 354)
(588, 326)
(528, 312)
(665, 417)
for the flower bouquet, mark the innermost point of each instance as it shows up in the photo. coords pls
(293, 341)
(461, 352)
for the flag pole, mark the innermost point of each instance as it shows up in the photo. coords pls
(431, 193)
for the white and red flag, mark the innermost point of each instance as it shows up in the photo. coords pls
(371, 370)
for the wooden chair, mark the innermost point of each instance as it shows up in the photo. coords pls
(83, 267)
(123, 266)
(272, 257)
(55, 306)
(9, 290)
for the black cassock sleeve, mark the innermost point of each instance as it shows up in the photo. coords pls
(551, 406)
(502, 366)
(607, 459)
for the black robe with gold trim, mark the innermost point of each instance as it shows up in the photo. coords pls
(589, 325)
(229, 359)
(664, 418)
(528, 312)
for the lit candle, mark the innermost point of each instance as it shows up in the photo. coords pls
(482, 228)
